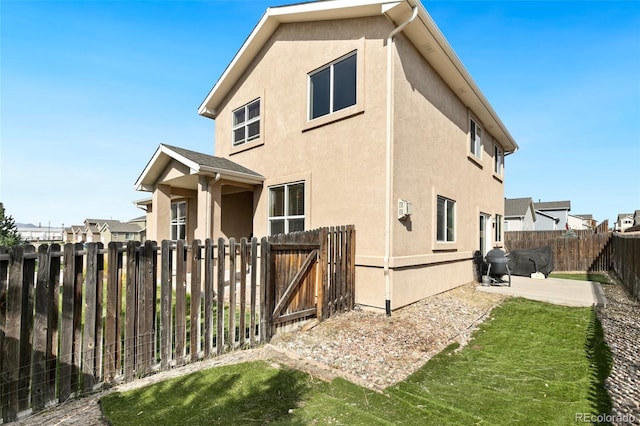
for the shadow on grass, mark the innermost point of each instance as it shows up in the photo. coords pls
(239, 394)
(600, 360)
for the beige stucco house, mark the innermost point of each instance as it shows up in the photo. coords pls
(346, 112)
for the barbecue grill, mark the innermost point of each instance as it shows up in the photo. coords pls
(498, 266)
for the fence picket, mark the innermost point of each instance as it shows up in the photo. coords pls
(194, 309)
(166, 296)
(209, 294)
(181, 301)
(220, 299)
(232, 292)
(11, 355)
(44, 297)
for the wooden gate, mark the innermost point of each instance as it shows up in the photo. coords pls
(309, 274)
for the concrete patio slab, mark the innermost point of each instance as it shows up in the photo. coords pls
(552, 290)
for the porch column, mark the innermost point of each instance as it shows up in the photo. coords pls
(215, 190)
(161, 211)
(203, 228)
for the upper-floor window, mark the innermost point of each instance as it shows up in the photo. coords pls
(475, 138)
(333, 87)
(446, 219)
(286, 208)
(498, 159)
(246, 123)
(178, 220)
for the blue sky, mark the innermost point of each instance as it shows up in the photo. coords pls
(88, 89)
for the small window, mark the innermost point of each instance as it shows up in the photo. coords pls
(498, 229)
(246, 123)
(475, 138)
(498, 160)
(286, 208)
(179, 220)
(446, 220)
(333, 87)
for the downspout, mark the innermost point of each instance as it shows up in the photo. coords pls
(389, 138)
(209, 207)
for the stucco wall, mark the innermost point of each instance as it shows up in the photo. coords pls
(341, 157)
(341, 162)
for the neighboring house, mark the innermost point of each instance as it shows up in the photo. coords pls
(519, 214)
(552, 215)
(625, 220)
(588, 222)
(114, 230)
(92, 230)
(75, 234)
(105, 231)
(340, 112)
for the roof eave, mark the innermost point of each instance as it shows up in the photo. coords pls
(234, 175)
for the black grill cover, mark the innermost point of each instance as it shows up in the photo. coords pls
(525, 262)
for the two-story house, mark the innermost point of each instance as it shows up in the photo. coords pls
(341, 112)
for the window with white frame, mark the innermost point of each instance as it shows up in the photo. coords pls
(286, 208)
(333, 87)
(445, 219)
(498, 229)
(179, 220)
(246, 123)
(475, 138)
(498, 160)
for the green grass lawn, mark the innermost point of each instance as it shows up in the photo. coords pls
(589, 276)
(531, 363)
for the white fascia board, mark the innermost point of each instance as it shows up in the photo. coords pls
(239, 63)
(139, 185)
(233, 175)
(194, 167)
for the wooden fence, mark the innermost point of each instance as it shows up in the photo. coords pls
(626, 261)
(582, 250)
(587, 251)
(75, 317)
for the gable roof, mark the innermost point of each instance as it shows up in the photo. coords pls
(553, 205)
(197, 162)
(117, 226)
(517, 207)
(422, 32)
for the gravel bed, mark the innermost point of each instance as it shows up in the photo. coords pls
(620, 320)
(380, 351)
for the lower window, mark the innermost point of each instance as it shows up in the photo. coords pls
(446, 219)
(179, 220)
(498, 236)
(286, 208)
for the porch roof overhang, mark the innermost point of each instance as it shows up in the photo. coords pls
(422, 32)
(195, 164)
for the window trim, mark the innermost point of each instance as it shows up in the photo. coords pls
(245, 124)
(475, 138)
(286, 217)
(177, 222)
(446, 220)
(497, 235)
(331, 65)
